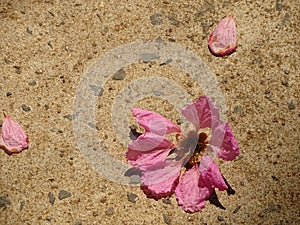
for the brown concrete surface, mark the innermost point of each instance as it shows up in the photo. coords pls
(46, 46)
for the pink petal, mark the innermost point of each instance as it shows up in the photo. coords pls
(153, 122)
(211, 176)
(13, 139)
(222, 141)
(148, 142)
(200, 112)
(145, 159)
(163, 177)
(190, 196)
(223, 40)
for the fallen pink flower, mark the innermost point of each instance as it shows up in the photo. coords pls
(187, 168)
(13, 139)
(223, 40)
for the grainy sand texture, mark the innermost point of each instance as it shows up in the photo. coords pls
(47, 47)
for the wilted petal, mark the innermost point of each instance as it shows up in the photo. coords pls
(200, 112)
(153, 122)
(161, 178)
(149, 141)
(211, 176)
(223, 40)
(190, 196)
(145, 159)
(222, 141)
(13, 138)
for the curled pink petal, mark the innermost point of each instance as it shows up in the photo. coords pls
(161, 178)
(145, 159)
(149, 141)
(211, 176)
(222, 142)
(153, 122)
(223, 40)
(13, 138)
(190, 196)
(200, 112)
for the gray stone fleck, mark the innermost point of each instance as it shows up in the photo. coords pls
(291, 105)
(237, 209)
(69, 117)
(156, 19)
(32, 83)
(109, 211)
(63, 194)
(4, 201)
(51, 198)
(158, 93)
(220, 218)
(78, 223)
(147, 57)
(119, 75)
(98, 91)
(131, 197)
(167, 219)
(26, 108)
(166, 201)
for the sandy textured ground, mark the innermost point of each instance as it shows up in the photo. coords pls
(46, 46)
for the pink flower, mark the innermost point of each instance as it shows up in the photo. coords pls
(186, 169)
(223, 40)
(13, 139)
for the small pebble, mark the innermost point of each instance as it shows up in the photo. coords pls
(32, 83)
(39, 71)
(166, 201)
(237, 209)
(69, 117)
(156, 19)
(98, 91)
(158, 93)
(179, 121)
(48, 218)
(131, 197)
(147, 57)
(220, 218)
(63, 194)
(51, 198)
(167, 219)
(4, 201)
(8, 94)
(109, 211)
(18, 69)
(285, 83)
(78, 223)
(28, 31)
(274, 178)
(291, 105)
(119, 75)
(22, 204)
(26, 108)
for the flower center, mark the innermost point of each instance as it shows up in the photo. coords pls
(199, 150)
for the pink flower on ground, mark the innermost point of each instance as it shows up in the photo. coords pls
(13, 138)
(223, 40)
(186, 169)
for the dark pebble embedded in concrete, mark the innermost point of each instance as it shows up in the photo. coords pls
(285, 83)
(131, 197)
(109, 211)
(119, 75)
(8, 94)
(69, 117)
(147, 57)
(291, 105)
(98, 91)
(167, 219)
(32, 83)
(166, 201)
(179, 121)
(156, 19)
(51, 198)
(63, 194)
(220, 218)
(4, 201)
(237, 209)
(26, 108)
